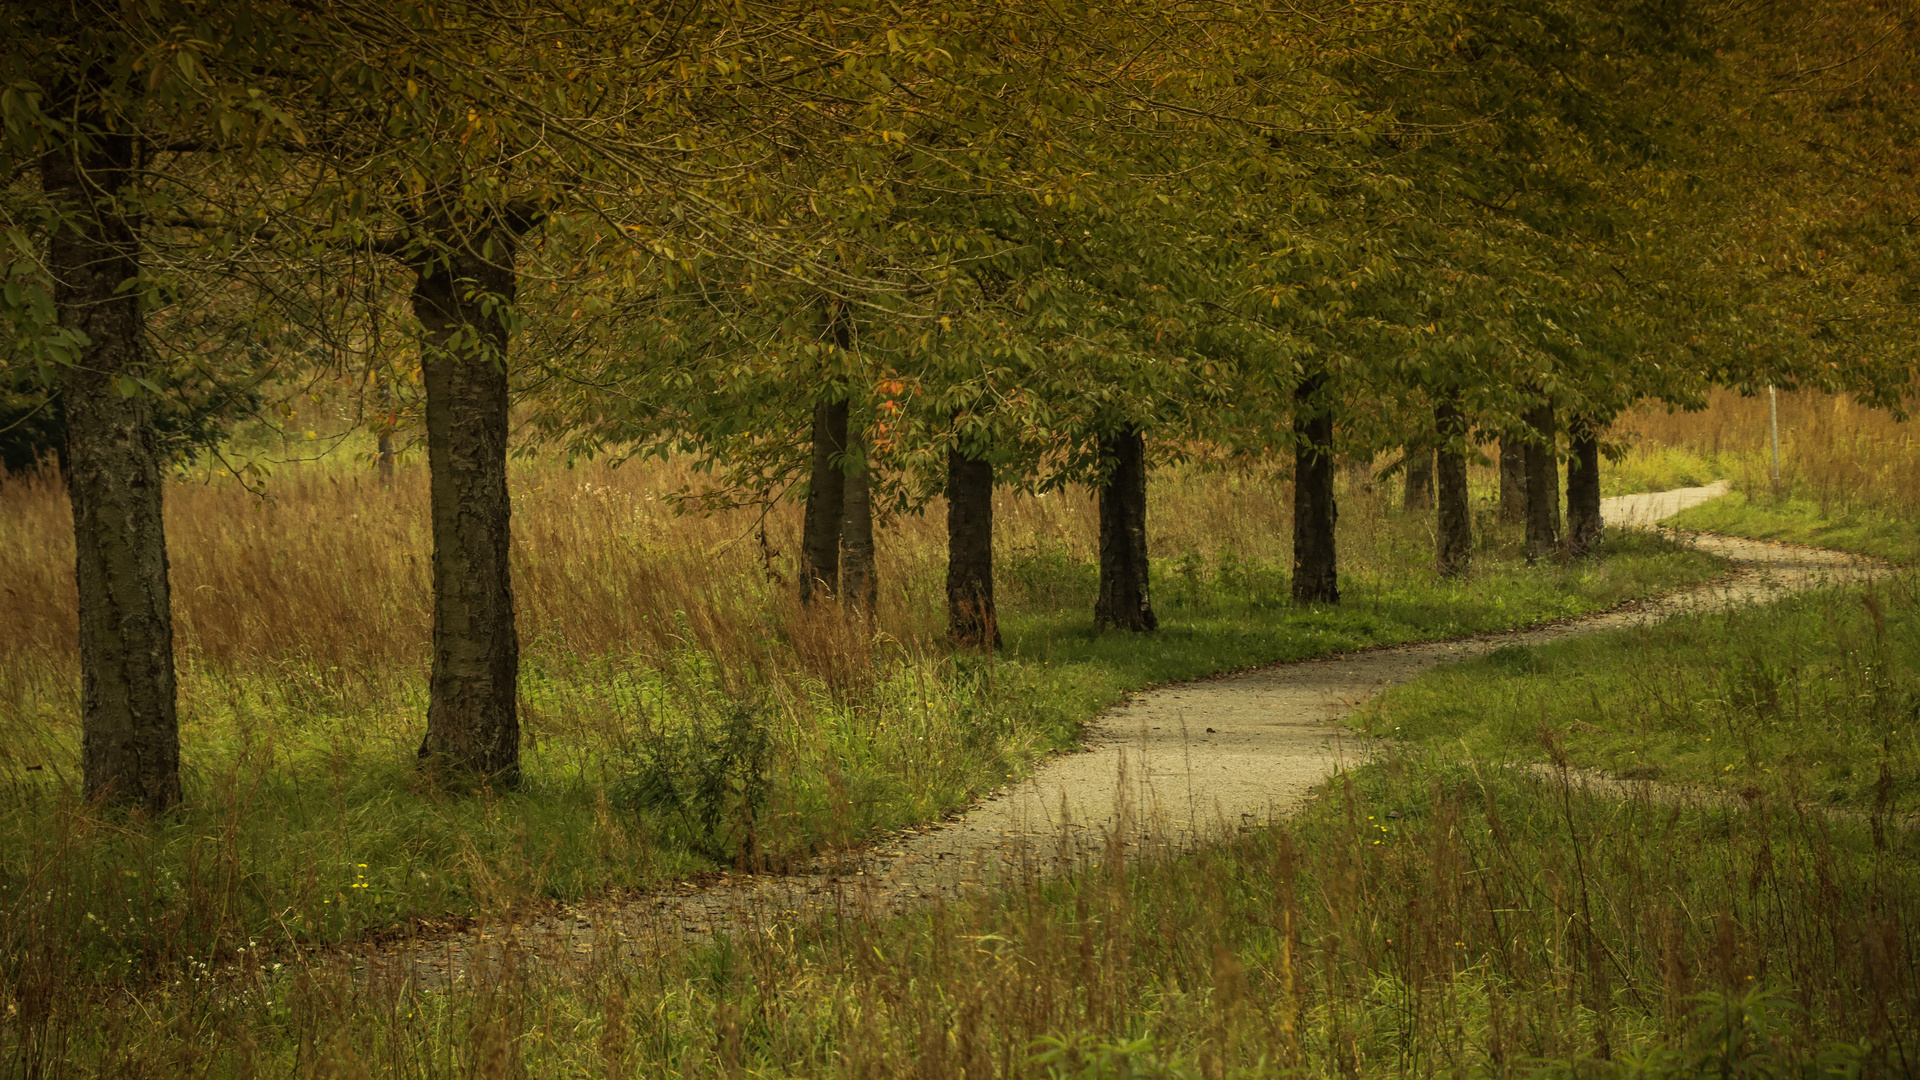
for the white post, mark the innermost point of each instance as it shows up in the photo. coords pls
(1773, 416)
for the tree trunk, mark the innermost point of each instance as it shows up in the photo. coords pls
(129, 726)
(1543, 484)
(859, 588)
(1419, 493)
(1513, 479)
(1315, 580)
(1360, 478)
(473, 725)
(383, 458)
(1583, 490)
(1455, 542)
(826, 503)
(1124, 599)
(971, 620)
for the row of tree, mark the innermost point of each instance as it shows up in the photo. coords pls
(868, 254)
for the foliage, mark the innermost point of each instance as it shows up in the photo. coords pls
(712, 774)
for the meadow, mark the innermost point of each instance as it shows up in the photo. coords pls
(680, 710)
(1849, 475)
(682, 713)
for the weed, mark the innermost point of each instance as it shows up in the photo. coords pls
(712, 774)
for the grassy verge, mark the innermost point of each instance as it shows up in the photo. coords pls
(1240, 615)
(1426, 918)
(1868, 530)
(1812, 698)
(1844, 475)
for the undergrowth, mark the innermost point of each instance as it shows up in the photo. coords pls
(1425, 917)
(680, 712)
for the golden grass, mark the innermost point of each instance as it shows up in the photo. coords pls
(1835, 452)
(313, 602)
(329, 572)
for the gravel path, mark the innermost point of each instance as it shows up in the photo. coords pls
(1169, 767)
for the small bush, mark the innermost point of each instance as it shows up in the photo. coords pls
(711, 776)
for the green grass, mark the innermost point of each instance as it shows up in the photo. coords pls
(1659, 467)
(1424, 918)
(1806, 699)
(1238, 615)
(306, 824)
(1797, 520)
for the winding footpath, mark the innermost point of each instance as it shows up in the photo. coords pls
(1170, 767)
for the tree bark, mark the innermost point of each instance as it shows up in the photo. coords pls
(1419, 493)
(1455, 540)
(473, 723)
(826, 503)
(971, 620)
(859, 588)
(1513, 479)
(1583, 490)
(1125, 600)
(383, 455)
(1315, 580)
(1543, 484)
(129, 724)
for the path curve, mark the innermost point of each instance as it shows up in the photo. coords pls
(1168, 767)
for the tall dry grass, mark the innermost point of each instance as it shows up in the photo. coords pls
(312, 602)
(324, 582)
(1841, 455)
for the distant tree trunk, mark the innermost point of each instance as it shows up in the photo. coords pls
(1419, 494)
(1583, 490)
(473, 723)
(129, 727)
(971, 620)
(1455, 541)
(1513, 479)
(826, 503)
(859, 588)
(1124, 599)
(1543, 484)
(383, 457)
(1315, 580)
(1359, 478)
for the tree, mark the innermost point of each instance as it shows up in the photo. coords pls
(91, 89)
(1315, 571)
(462, 143)
(130, 743)
(821, 529)
(859, 582)
(972, 620)
(463, 295)
(1583, 490)
(1543, 483)
(1454, 541)
(1125, 600)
